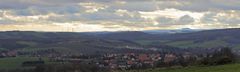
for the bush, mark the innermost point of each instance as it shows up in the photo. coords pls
(219, 57)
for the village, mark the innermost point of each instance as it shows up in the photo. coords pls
(113, 61)
(4, 54)
(130, 60)
(122, 61)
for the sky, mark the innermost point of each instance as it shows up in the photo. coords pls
(117, 15)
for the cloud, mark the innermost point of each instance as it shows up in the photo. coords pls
(167, 21)
(225, 17)
(172, 13)
(123, 14)
(200, 5)
(135, 6)
(186, 19)
(93, 7)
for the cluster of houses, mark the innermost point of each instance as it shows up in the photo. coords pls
(4, 54)
(122, 61)
(133, 61)
(127, 60)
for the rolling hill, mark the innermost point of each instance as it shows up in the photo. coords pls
(209, 38)
(60, 42)
(202, 39)
(67, 42)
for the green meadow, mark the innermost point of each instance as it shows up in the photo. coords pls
(220, 68)
(16, 62)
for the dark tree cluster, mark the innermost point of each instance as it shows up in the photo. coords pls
(219, 57)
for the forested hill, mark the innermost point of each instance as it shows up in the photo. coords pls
(107, 41)
(202, 39)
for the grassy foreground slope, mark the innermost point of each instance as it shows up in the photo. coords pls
(221, 68)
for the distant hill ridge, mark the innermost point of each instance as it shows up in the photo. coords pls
(202, 39)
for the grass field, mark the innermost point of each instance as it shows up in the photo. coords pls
(221, 68)
(16, 62)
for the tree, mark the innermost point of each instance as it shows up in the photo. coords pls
(219, 57)
(223, 56)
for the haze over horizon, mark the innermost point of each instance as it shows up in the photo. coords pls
(117, 15)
